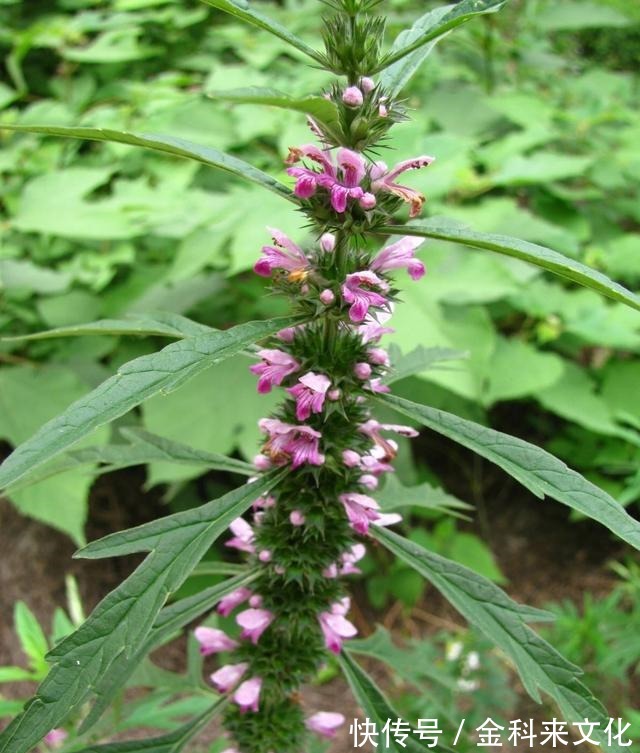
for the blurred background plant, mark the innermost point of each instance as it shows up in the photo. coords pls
(532, 115)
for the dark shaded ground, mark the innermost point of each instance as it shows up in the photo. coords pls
(544, 556)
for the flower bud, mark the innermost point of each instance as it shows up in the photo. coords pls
(369, 481)
(362, 370)
(379, 356)
(350, 458)
(327, 297)
(367, 201)
(352, 96)
(327, 242)
(262, 462)
(335, 394)
(367, 84)
(265, 555)
(297, 518)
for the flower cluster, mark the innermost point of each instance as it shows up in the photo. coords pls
(304, 537)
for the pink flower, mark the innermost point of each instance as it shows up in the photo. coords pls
(297, 518)
(387, 519)
(254, 622)
(335, 627)
(56, 737)
(228, 676)
(383, 179)
(350, 458)
(243, 536)
(376, 385)
(361, 510)
(362, 370)
(379, 356)
(400, 254)
(228, 603)
(372, 429)
(349, 559)
(248, 694)
(275, 366)
(230, 750)
(291, 442)
(342, 181)
(327, 297)
(327, 242)
(359, 290)
(325, 723)
(352, 96)
(213, 641)
(284, 254)
(310, 393)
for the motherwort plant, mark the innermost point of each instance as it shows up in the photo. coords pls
(309, 509)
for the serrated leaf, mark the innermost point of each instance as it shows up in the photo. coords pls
(171, 743)
(321, 109)
(142, 448)
(31, 636)
(534, 468)
(170, 620)
(243, 11)
(395, 496)
(376, 707)
(135, 382)
(162, 324)
(504, 622)
(105, 646)
(171, 145)
(529, 252)
(418, 360)
(432, 26)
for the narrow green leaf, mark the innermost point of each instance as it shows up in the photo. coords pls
(143, 447)
(243, 11)
(319, 108)
(418, 360)
(103, 647)
(395, 496)
(376, 707)
(529, 252)
(162, 325)
(135, 382)
(430, 27)
(31, 636)
(170, 620)
(504, 622)
(168, 145)
(539, 471)
(171, 743)
(15, 674)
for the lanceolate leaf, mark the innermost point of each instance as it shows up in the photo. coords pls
(319, 108)
(395, 77)
(376, 707)
(170, 620)
(162, 325)
(171, 743)
(420, 359)
(503, 621)
(244, 11)
(432, 26)
(104, 646)
(540, 472)
(143, 447)
(135, 382)
(530, 252)
(168, 145)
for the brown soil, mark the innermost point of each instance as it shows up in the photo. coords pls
(533, 541)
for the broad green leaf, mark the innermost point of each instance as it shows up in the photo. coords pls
(504, 622)
(135, 382)
(579, 14)
(162, 324)
(540, 167)
(418, 360)
(430, 27)
(243, 11)
(321, 109)
(168, 145)
(171, 743)
(534, 468)
(142, 447)
(376, 707)
(395, 496)
(104, 647)
(530, 252)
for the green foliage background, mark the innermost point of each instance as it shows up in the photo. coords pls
(532, 117)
